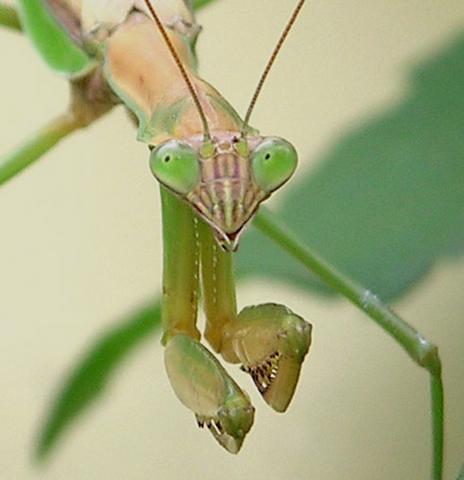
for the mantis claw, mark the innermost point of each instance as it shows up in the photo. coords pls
(264, 373)
(231, 442)
(203, 386)
(271, 342)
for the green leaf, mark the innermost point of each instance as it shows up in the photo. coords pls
(89, 379)
(9, 17)
(386, 201)
(197, 4)
(51, 40)
(461, 474)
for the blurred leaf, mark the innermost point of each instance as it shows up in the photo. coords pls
(461, 474)
(90, 377)
(387, 200)
(9, 17)
(197, 4)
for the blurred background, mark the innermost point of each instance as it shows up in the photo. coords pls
(372, 95)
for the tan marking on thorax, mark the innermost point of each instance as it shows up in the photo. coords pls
(149, 79)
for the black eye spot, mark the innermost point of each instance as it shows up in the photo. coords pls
(167, 159)
(267, 156)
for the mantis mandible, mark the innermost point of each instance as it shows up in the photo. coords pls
(214, 171)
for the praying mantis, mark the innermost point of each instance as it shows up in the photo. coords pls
(214, 172)
(256, 338)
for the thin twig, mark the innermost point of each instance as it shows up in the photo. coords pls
(36, 146)
(423, 352)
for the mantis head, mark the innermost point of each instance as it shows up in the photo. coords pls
(224, 179)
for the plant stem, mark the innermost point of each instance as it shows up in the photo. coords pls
(40, 143)
(437, 398)
(9, 18)
(423, 352)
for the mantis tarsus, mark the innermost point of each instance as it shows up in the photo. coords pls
(127, 89)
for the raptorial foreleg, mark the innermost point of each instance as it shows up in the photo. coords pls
(196, 376)
(269, 340)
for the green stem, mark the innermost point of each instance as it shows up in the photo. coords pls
(40, 143)
(423, 352)
(9, 18)
(437, 395)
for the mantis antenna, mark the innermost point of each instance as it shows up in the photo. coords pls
(271, 61)
(181, 67)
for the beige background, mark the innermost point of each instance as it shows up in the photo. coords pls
(80, 245)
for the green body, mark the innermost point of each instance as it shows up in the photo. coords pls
(211, 189)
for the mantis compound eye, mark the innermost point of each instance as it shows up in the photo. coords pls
(273, 162)
(175, 165)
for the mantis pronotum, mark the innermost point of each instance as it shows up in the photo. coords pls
(92, 98)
